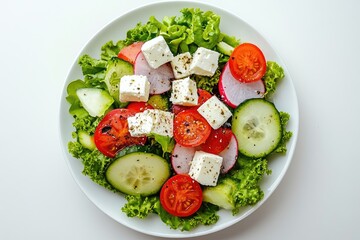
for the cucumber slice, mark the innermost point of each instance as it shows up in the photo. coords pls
(86, 140)
(224, 48)
(138, 173)
(115, 70)
(160, 102)
(95, 101)
(222, 194)
(257, 127)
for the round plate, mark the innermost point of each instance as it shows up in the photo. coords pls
(111, 203)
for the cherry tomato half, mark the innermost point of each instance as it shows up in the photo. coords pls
(190, 128)
(247, 63)
(139, 106)
(218, 140)
(130, 52)
(181, 196)
(112, 134)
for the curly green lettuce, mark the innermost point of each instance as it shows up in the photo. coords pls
(141, 207)
(274, 73)
(185, 33)
(248, 174)
(94, 162)
(286, 135)
(207, 83)
(110, 50)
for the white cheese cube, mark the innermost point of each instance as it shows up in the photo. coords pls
(181, 65)
(205, 168)
(156, 52)
(162, 122)
(140, 125)
(215, 112)
(151, 121)
(184, 92)
(134, 88)
(205, 62)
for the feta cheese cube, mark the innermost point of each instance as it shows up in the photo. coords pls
(205, 168)
(181, 65)
(156, 52)
(140, 125)
(184, 92)
(205, 62)
(215, 112)
(151, 121)
(163, 122)
(134, 88)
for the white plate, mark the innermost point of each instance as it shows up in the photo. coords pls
(111, 203)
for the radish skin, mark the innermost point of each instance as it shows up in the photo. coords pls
(159, 78)
(233, 92)
(181, 158)
(229, 155)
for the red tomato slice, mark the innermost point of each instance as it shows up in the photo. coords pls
(218, 140)
(181, 196)
(190, 128)
(203, 96)
(112, 134)
(130, 52)
(247, 63)
(139, 106)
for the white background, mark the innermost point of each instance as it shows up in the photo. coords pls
(319, 196)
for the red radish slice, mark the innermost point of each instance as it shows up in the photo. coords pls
(234, 92)
(229, 155)
(159, 78)
(181, 158)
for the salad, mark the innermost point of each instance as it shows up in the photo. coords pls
(178, 118)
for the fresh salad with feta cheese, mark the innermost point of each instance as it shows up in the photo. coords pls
(178, 118)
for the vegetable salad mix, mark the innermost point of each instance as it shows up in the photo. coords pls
(122, 149)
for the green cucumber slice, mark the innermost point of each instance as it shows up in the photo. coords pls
(115, 70)
(224, 48)
(257, 127)
(138, 173)
(95, 100)
(222, 194)
(86, 140)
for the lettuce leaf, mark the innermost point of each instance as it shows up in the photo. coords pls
(207, 83)
(286, 135)
(193, 29)
(249, 174)
(167, 143)
(206, 215)
(141, 207)
(274, 73)
(94, 162)
(91, 65)
(110, 50)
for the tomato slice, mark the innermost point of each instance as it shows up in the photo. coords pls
(112, 133)
(181, 196)
(218, 140)
(247, 63)
(203, 96)
(190, 128)
(139, 106)
(130, 52)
